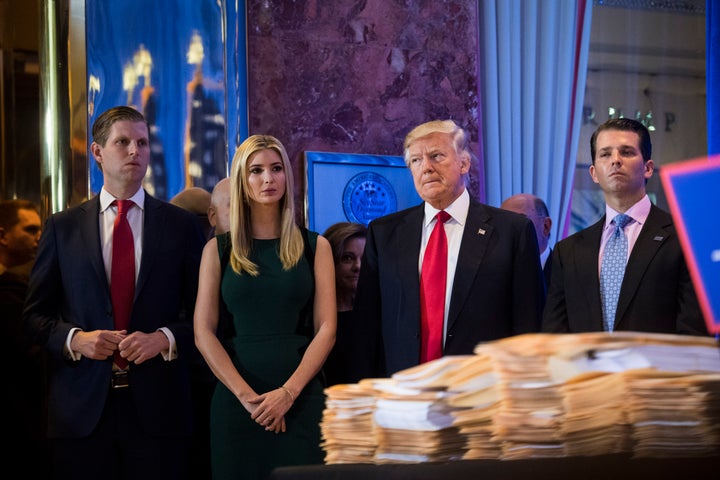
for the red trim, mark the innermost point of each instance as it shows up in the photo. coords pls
(667, 174)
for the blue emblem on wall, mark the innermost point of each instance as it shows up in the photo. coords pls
(368, 196)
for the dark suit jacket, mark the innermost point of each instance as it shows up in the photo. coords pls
(657, 294)
(24, 395)
(497, 291)
(69, 288)
(547, 270)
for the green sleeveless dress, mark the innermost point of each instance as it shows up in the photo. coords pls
(267, 350)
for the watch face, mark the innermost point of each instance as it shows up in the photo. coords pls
(368, 196)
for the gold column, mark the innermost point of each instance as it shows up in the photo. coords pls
(63, 103)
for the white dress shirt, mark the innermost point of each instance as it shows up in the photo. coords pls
(135, 217)
(454, 228)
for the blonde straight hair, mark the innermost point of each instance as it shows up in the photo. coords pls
(291, 242)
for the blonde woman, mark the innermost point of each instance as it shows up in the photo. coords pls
(268, 403)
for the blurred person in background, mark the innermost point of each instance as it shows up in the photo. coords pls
(219, 210)
(534, 208)
(347, 240)
(24, 384)
(195, 200)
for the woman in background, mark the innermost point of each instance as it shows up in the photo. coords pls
(348, 243)
(268, 405)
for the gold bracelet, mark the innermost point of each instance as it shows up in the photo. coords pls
(286, 390)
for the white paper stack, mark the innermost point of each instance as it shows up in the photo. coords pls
(415, 422)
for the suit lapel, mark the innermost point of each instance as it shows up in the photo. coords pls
(652, 236)
(153, 227)
(89, 221)
(587, 273)
(408, 255)
(476, 235)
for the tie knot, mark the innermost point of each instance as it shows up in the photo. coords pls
(443, 216)
(124, 206)
(621, 220)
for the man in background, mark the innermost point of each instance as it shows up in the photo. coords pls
(199, 202)
(534, 208)
(195, 200)
(25, 396)
(219, 211)
(19, 234)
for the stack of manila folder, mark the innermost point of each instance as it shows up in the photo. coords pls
(536, 396)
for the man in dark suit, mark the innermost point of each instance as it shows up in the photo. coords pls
(494, 283)
(534, 208)
(24, 392)
(107, 420)
(656, 293)
(195, 200)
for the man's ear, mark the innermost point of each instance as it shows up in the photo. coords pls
(547, 225)
(96, 151)
(465, 163)
(649, 168)
(212, 216)
(592, 173)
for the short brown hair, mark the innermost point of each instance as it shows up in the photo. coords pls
(9, 211)
(624, 125)
(339, 233)
(103, 124)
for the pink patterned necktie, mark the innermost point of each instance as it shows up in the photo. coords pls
(433, 280)
(122, 272)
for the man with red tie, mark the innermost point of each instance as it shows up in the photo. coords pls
(111, 298)
(491, 285)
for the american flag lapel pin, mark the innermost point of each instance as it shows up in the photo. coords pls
(658, 238)
(481, 231)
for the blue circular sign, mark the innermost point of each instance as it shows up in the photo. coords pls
(368, 196)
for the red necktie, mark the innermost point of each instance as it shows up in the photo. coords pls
(433, 280)
(122, 273)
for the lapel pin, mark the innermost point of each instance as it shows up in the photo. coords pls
(658, 239)
(481, 231)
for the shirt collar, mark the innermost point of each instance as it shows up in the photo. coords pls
(106, 199)
(458, 209)
(638, 212)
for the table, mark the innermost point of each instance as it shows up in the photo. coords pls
(603, 467)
